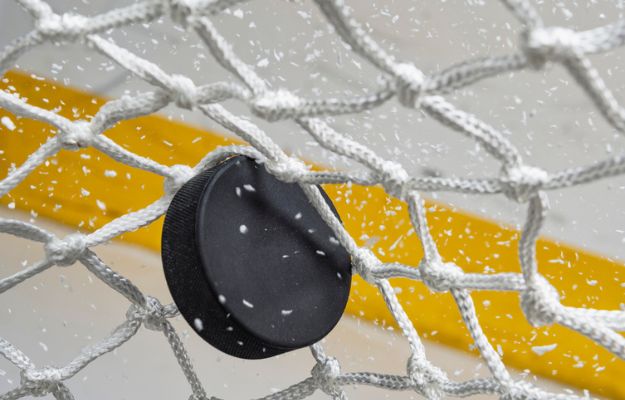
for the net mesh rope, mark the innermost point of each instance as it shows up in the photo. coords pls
(414, 89)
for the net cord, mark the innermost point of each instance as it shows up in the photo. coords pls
(414, 89)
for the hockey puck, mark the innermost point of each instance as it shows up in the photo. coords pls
(250, 264)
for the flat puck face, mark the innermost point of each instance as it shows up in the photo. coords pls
(250, 263)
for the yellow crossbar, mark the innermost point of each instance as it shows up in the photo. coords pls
(86, 189)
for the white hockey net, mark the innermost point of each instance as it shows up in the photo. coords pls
(517, 180)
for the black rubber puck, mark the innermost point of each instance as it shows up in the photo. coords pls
(250, 264)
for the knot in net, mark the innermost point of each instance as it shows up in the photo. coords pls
(365, 263)
(325, 375)
(520, 183)
(182, 11)
(426, 378)
(440, 276)
(287, 169)
(185, 93)
(395, 179)
(277, 105)
(62, 27)
(153, 314)
(177, 176)
(540, 302)
(409, 84)
(41, 382)
(66, 251)
(551, 44)
(77, 136)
